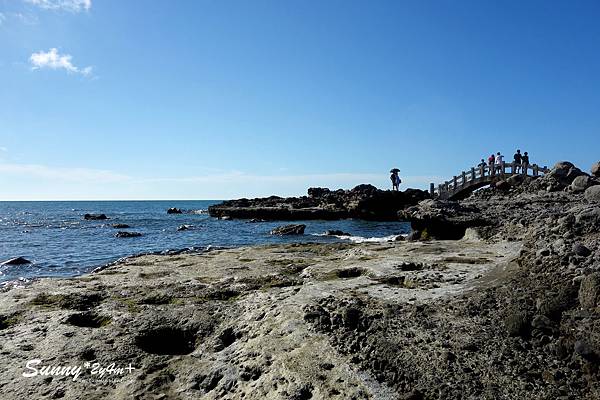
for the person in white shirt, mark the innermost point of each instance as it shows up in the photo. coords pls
(499, 159)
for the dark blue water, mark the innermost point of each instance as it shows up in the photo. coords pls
(59, 242)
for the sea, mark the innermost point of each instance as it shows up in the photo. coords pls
(54, 236)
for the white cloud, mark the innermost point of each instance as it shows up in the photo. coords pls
(53, 60)
(2, 18)
(62, 174)
(64, 5)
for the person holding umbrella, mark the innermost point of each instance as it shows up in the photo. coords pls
(395, 179)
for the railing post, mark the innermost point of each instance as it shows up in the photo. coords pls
(472, 173)
(455, 180)
(536, 170)
(512, 168)
(432, 190)
(440, 189)
(482, 170)
(493, 169)
(464, 178)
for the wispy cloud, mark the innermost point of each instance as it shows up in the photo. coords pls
(53, 60)
(2, 18)
(63, 5)
(63, 174)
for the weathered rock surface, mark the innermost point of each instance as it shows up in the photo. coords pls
(592, 194)
(240, 323)
(174, 210)
(364, 202)
(294, 229)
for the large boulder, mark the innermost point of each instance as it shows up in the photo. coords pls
(564, 173)
(592, 194)
(294, 229)
(596, 169)
(581, 183)
(589, 291)
(174, 210)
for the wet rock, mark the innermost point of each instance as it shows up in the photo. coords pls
(95, 217)
(336, 233)
(184, 227)
(592, 194)
(413, 236)
(16, 261)
(124, 234)
(294, 229)
(589, 291)
(121, 226)
(174, 210)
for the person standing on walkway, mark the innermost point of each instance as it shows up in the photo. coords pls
(491, 161)
(518, 160)
(525, 162)
(499, 160)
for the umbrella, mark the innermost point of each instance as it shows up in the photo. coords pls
(394, 170)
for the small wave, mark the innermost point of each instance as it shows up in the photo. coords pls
(197, 211)
(361, 239)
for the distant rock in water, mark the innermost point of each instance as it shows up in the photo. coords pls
(174, 210)
(95, 217)
(294, 229)
(16, 261)
(333, 232)
(184, 228)
(121, 226)
(363, 202)
(128, 234)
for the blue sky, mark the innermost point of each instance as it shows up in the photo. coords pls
(136, 99)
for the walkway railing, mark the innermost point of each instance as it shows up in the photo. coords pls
(481, 175)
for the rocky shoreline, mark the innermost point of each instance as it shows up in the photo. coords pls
(363, 202)
(495, 296)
